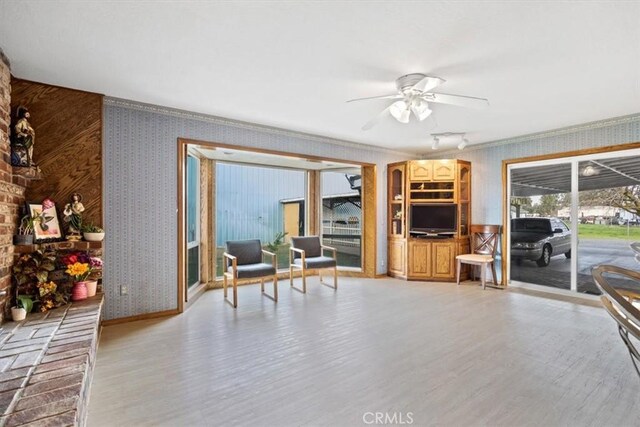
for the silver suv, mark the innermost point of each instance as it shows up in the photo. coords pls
(539, 239)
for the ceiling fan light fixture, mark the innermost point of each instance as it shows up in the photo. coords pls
(400, 111)
(420, 110)
(463, 144)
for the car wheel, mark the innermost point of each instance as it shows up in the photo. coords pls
(545, 258)
(568, 254)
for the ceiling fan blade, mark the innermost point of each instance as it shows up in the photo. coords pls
(427, 84)
(371, 123)
(393, 96)
(460, 100)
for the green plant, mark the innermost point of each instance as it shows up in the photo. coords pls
(27, 223)
(90, 228)
(24, 301)
(277, 242)
(31, 269)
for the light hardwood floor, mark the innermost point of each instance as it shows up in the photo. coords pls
(448, 355)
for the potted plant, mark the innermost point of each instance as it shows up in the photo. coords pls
(24, 304)
(79, 271)
(92, 233)
(25, 231)
(95, 272)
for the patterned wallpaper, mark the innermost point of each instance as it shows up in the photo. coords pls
(487, 159)
(140, 194)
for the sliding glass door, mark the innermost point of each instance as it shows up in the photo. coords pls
(568, 215)
(609, 199)
(540, 226)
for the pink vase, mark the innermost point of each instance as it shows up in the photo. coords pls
(79, 291)
(92, 287)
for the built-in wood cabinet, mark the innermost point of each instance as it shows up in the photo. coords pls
(427, 256)
(397, 257)
(420, 253)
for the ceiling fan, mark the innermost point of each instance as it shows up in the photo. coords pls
(414, 95)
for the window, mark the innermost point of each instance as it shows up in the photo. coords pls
(193, 220)
(254, 202)
(342, 215)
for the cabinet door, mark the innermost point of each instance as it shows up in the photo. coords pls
(420, 170)
(443, 260)
(420, 259)
(395, 200)
(397, 257)
(444, 170)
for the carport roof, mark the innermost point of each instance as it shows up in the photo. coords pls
(594, 175)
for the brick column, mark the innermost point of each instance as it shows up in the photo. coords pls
(7, 213)
(11, 189)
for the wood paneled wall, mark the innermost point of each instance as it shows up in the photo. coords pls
(68, 144)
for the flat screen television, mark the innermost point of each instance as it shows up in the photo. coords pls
(433, 218)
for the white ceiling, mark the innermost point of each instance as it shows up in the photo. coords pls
(542, 65)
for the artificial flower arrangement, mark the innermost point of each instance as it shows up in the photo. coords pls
(49, 297)
(79, 271)
(81, 266)
(31, 277)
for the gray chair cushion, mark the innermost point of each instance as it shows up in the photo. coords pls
(247, 251)
(317, 262)
(310, 245)
(254, 270)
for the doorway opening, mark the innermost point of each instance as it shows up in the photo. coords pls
(242, 194)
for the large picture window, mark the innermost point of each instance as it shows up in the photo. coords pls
(259, 203)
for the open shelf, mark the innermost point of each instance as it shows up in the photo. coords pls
(61, 246)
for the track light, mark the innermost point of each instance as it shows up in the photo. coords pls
(400, 111)
(450, 137)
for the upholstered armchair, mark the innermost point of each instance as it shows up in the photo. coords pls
(306, 253)
(244, 261)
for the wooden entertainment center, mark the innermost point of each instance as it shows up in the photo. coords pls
(429, 209)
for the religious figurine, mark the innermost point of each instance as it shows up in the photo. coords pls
(22, 139)
(73, 217)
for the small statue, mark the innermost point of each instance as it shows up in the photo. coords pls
(73, 217)
(22, 140)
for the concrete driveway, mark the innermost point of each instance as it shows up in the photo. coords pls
(591, 252)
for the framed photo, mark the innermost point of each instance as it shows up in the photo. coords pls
(48, 229)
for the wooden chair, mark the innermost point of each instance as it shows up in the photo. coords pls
(622, 305)
(484, 244)
(305, 253)
(243, 260)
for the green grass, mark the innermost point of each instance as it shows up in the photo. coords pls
(598, 231)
